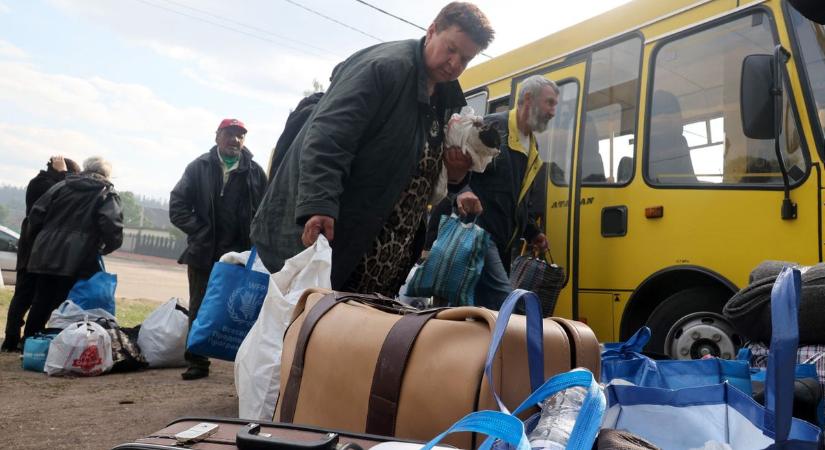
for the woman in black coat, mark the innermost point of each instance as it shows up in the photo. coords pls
(25, 283)
(71, 224)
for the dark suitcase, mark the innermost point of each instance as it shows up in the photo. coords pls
(255, 435)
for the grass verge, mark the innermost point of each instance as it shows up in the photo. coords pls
(130, 312)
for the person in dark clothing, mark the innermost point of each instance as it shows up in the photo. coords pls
(213, 203)
(293, 125)
(73, 223)
(363, 168)
(56, 170)
(499, 195)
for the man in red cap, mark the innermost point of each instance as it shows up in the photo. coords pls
(213, 203)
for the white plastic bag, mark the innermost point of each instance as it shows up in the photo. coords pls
(258, 362)
(415, 302)
(83, 348)
(68, 313)
(463, 132)
(162, 336)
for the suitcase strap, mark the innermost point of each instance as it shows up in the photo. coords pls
(389, 372)
(289, 400)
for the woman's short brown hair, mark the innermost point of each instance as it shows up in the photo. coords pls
(469, 18)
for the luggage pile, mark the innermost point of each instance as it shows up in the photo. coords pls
(89, 342)
(392, 376)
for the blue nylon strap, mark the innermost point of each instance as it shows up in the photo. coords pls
(100, 262)
(785, 296)
(535, 339)
(590, 415)
(492, 423)
(252, 255)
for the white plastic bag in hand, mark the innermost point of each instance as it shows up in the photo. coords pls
(258, 362)
(83, 348)
(162, 336)
(463, 132)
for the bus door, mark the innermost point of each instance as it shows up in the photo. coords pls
(551, 195)
(606, 159)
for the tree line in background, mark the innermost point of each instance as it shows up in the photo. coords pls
(138, 211)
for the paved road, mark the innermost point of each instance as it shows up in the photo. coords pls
(148, 277)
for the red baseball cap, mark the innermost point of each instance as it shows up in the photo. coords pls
(226, 123)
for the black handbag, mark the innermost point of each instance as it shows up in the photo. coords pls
(534, 273)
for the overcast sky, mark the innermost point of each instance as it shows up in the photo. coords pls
(144, 83)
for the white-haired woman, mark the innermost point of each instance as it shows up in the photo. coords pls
(70, 225)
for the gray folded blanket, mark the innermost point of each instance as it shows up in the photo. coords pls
(749, 309)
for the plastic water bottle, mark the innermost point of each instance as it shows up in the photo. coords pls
(558, 416)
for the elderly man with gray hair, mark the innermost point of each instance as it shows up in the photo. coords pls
(499, 195)
(69, 226)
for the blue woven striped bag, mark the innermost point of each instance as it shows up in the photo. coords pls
(454, 265)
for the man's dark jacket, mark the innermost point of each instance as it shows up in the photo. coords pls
(38, 186)
(354, 156)
(72, 223)
(498, 188)
(193, 204)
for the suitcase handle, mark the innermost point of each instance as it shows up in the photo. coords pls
(248, 438)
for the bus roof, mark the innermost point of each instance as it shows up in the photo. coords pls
(626, 18)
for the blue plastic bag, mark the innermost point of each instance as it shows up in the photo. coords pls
(454, 265)
(233, 300)
(36, 349)
(690, 417)
(624, 361)
(96, 292)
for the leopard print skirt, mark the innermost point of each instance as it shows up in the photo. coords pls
(384, 268)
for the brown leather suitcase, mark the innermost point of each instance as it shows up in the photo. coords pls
(366, 364)
(237, 434)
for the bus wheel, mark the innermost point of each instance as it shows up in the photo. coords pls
(689, 325)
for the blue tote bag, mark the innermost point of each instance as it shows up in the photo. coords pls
(690, 417)
(96, 292)
(626, 362)
(233, 300)
(454, 265)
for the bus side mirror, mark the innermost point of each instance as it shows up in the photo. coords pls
(755, 98)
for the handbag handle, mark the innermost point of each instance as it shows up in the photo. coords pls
(590, 415)
(253, 254)
(632, 347)
(100, 262)
(779, 384)
(535, 339)
(492, 423)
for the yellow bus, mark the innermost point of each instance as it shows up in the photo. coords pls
(662, 192)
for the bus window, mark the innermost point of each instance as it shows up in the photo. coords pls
(610, 114)
(695, 132)
(811, 39)
(478, 102)
(556, 143)
(499, 105)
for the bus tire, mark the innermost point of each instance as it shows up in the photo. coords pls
(689, 324)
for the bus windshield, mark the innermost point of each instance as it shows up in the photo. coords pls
(811, 39)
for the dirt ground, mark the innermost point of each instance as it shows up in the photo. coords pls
(148, 277)
(42, 412)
